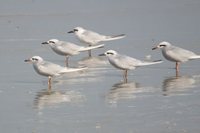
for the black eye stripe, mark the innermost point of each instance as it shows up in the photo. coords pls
(35, 59)
(109, 53)
(51, 42)
(75, 30)
(162, 45)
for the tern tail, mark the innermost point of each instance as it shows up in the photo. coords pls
(66, 70)
(109, 38)
(91, 47)
(145, 63)
(194, 57)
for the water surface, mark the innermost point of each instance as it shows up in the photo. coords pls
(97, 100)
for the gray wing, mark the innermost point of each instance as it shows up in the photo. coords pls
(49, 69)
(124, 62)
(96, 37)
(68, 48)
(131, 62)
(179, 54)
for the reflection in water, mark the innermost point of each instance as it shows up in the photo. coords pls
(91, 75)
(47, 98)
(120, 91)
(177, 84)
(95, 71)
(93, 61)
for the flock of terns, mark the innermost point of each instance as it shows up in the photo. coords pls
(93, 40)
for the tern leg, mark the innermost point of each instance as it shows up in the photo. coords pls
(49, 83)
(66, 61)
(125, 76)
(177, 66)
(177, 73)
(90, 52)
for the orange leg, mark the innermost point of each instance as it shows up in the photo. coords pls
(177, 73)
(177, 69)
(66, 61)
(90, 52)
(49, 83)
(125, 76)
(177, 66)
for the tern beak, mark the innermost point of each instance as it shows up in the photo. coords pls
(45, 43)
(154, 48)
(102, 54)
(71, 31)
(27, 60)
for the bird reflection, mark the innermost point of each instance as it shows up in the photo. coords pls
(92, 61)
(177, 84)
(120, 91)
(48, 98)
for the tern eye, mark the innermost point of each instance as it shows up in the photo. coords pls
(162, 45)
(109, 53)
(75, 30)
(51, 42)
(34, 59)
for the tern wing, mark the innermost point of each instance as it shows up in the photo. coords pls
(124, 62)
(179, 54)
(67, 69)
(92, 37)
(91, 47)
(195, 57)
(68, 48)
(145, 63)
(51, 69)
(99, 37)
(132, 62)
(109, 38)
(48, 68)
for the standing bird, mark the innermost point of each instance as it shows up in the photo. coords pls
(176, 54)
(92, 38)
(49, 69)
(124, 62)
(68, 49)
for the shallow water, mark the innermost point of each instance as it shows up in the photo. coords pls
(96, 100)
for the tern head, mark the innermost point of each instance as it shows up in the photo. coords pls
(34, 59)
(109, 53)
(51, 41)
(77, 30)
(162, 45)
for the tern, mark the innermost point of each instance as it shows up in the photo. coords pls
(68, 49)
(49, 69)
(176, 54)
(124, 62)
(93, 38)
